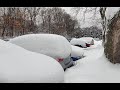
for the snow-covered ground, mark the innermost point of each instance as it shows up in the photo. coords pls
(94, 68)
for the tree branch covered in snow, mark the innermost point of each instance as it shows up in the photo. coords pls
(83, 11)
(103, 17)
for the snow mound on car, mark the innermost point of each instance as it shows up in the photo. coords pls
(77, 51)
(49, 44)
(88, 40)
(77, 41)
(18, 65)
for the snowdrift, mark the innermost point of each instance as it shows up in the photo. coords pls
(18, 65)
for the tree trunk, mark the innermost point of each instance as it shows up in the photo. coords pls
(3, 32)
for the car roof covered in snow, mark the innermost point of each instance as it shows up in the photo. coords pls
(50, 44)
(87, 39)
(78, 41)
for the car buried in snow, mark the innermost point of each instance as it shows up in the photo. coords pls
(55, 46)
(18, 65)
(83, 42)
(77, 53)
(88, 40)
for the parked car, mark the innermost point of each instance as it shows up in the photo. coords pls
(56, 46)
(78, 42)
(88, 40)
(18, 65)
(83, 42)
(88, 44)
(77, 53)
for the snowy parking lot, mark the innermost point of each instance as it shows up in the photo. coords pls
(93, 68)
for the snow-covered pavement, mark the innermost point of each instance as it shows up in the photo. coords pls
(94, 68)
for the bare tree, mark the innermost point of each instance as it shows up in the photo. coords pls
(23, 23)
(33, 12)
(94, 10)
(103, 17)
(55, 20)
(83, 11)
(15, 21)
(3, 23)
(42, 14)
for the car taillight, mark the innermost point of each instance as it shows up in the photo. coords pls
(59, 59)
(88, 45)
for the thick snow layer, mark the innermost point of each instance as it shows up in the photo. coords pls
(76, 41)
(77, 51)
(48, 44)
(18, 65)
(89, 40)
(111, 11)
(94, 68)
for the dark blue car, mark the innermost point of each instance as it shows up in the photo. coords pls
(75, 58)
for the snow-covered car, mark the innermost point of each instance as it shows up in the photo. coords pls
(78, 42)
(82, 42)
(56, 46)
(77, 53)
(88, 40)
(18, 65)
